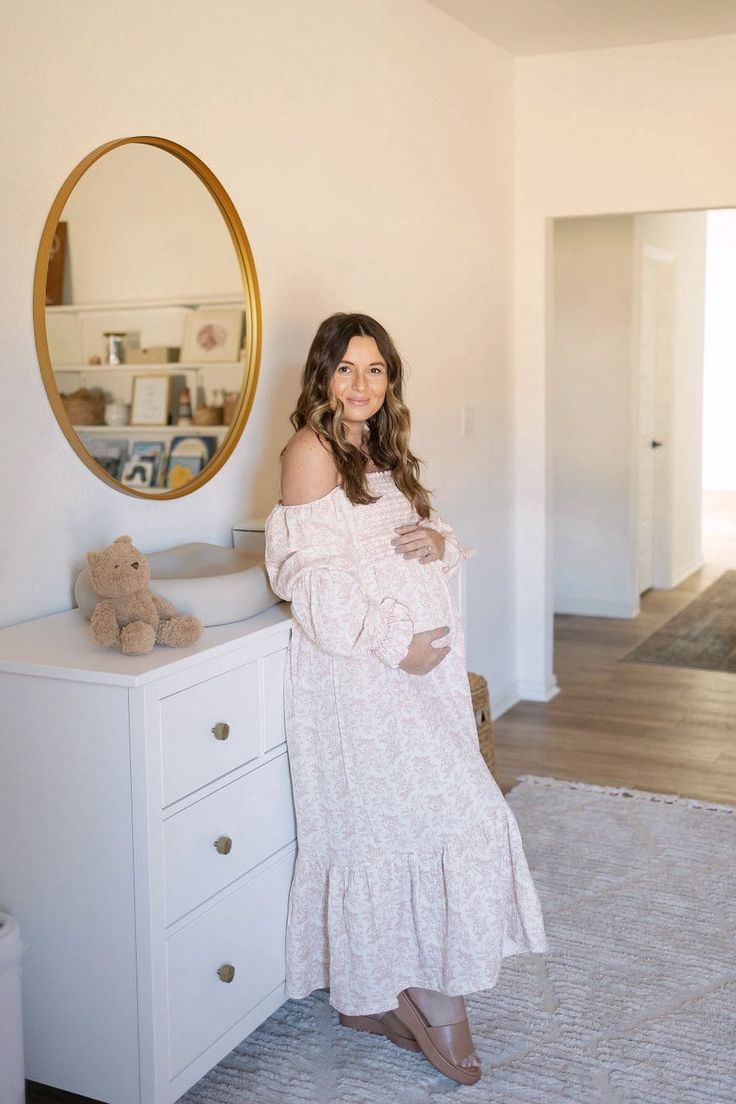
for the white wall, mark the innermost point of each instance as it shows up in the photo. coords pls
(719, 401)
(368, 149)
(645, 128)
(591, 378)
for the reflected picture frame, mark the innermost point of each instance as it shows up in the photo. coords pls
(151, 400)
(212, 336)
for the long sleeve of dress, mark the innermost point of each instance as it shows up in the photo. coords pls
(312, 563)
(454, 553)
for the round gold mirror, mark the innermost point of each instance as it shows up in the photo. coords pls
(147, 317)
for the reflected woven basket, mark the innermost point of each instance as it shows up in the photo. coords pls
(482, 710)
(85, 407)
(208, 415)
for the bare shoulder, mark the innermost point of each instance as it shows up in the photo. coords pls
(308, 470)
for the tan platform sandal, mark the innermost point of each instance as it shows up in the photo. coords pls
(444, 1046)
(390, 1026)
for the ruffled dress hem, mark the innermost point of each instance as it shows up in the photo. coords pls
(443, 919)
(388, 1000)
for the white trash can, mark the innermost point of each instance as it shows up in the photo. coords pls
(12, 1075)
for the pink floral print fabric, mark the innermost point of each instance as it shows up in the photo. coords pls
(410, 868)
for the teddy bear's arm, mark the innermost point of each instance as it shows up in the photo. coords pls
(163, 608)
(105, 627)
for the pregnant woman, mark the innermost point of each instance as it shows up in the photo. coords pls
(410, 883)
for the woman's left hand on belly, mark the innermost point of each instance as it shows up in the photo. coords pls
(418, 542)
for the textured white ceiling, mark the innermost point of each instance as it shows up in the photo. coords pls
(554, 26)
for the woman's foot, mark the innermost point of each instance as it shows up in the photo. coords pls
(441, 1009)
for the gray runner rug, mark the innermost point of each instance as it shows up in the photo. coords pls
(635, 1002)
(703, 634)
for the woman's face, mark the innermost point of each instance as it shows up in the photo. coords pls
(360, 379)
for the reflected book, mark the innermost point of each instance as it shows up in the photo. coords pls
(110, 454)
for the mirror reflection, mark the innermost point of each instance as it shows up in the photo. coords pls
(147, 325)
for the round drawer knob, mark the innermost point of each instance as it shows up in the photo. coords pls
(221, 730)
(226, 973)
(223, 845)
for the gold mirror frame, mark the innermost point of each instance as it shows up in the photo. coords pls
(251, 296)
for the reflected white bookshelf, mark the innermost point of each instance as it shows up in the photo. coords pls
(76, 338)
(174, 366)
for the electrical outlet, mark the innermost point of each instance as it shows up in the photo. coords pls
(467, 420)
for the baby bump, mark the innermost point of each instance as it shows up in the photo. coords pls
(422, 588)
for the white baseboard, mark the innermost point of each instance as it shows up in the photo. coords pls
(682, 573)
(503, 700)
(509, 696)
(595, 607)
(537, 691)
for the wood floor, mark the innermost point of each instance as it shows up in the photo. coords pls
(667, 729)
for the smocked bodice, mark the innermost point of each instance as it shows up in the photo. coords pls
(374, 523)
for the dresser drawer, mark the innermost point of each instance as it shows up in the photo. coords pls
(246, 932)
(248, 820)
(208, 730)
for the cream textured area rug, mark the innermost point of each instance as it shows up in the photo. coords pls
(635, 1002)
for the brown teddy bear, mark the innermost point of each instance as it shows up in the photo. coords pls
(130, 618)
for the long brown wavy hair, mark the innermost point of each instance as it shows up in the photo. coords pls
(387, 440)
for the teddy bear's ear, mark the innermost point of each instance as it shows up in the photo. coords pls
(123, 540)
(93, 558)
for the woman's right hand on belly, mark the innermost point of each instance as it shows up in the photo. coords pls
(421, 656)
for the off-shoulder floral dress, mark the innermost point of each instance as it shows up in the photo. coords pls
(410, 868)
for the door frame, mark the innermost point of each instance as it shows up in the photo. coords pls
(663, 387)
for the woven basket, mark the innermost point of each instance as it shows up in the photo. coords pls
(208, 415)
(85, 407)
(482, 710)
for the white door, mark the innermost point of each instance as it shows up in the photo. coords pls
(656, 320)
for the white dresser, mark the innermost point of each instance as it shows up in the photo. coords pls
(147, 843)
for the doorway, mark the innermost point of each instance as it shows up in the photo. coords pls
(626, 382)
(641, 349)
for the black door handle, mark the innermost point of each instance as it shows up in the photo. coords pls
(657, 444)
